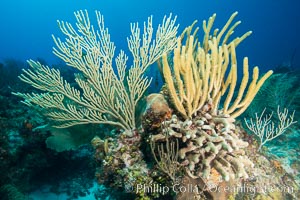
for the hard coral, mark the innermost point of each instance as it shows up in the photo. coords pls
(121, 163)
(208, 143)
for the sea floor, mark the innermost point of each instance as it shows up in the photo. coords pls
(45, 193)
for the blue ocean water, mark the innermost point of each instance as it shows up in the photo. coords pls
(26, 26)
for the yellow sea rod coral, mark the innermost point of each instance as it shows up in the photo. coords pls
(201, 84)
(208, 71)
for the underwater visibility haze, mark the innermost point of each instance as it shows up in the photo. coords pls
(149, 99)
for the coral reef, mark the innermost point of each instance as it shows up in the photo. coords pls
(201, 142)
(121, 163)
(214, 155)
(189, 133)
(207, 142)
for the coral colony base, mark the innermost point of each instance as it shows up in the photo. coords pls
(189, 145)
